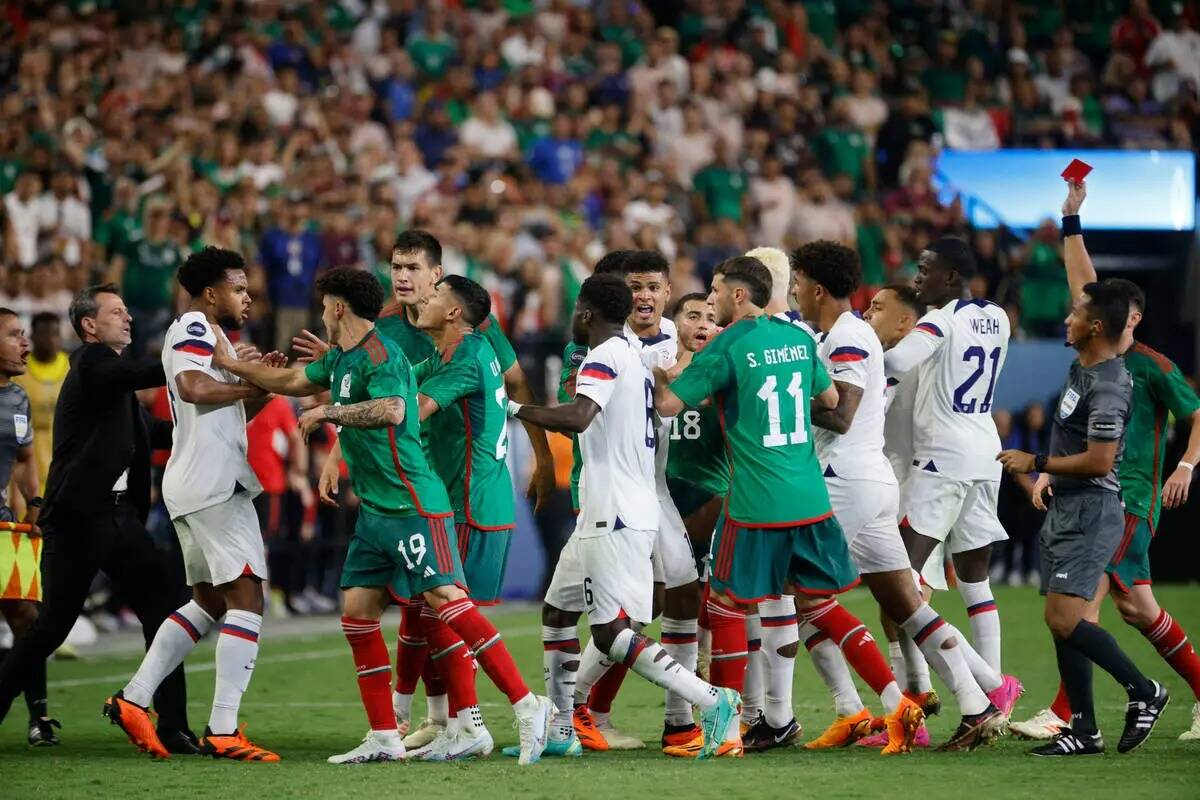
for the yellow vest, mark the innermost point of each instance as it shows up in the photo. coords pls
(43, 381)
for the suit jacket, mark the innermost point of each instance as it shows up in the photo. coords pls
(100, 430)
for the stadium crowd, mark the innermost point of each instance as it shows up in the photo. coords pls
(531, 136)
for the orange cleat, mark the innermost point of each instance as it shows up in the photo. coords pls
(138, 724)
(929, 701)
(730, 748)
(234, 746)
(902, 727)
(844, 731)
(585, 728)
(684, 735)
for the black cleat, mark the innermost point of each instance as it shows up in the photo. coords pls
(762, 736)
(180, 743)
(41, 732)
(1069, 744)
(975, 729)
(1140, 718)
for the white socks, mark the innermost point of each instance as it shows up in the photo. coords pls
(985, 620)
(752, 696)
(834, 671)
(779, 631)
(647, 658)
(931, 633)
(593, 663)
(987, 678)
(437, 708)
(916, 668)
(560, 664)
(679, 639)
(470, 721)
(175, 638)
(237, 649)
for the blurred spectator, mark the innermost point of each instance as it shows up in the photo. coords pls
(291, 254)
(1044, 294)
(22, 221)
(1133, 32)
(43, 379)
(144, 267)
(1174, 57)
(970, 127)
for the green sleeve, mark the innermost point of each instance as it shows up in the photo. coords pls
(1172, 390)
(319, 372)
(708, 373)
(423, 370)
(820, 378)
(451, 381)
(572, 358)
(499, 342)
(390, 378)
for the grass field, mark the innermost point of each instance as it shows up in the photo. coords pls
(304, 704)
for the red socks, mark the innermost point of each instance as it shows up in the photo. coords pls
(411, 650)
(605, 690)
(856, 642)
(1062, 704)
(452, 661)
(729, 645)
(485, 642)
(1172, 644)
(371, 663)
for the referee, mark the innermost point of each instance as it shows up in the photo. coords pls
(96, 501)
(1086, 522)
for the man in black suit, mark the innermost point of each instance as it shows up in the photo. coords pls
(96, 501)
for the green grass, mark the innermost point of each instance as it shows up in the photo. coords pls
(303, 703)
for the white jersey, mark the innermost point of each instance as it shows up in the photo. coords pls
(660, 351)
(797, 319)
(898, 422)
(208, 456)
(960, 349)
(616, 484)
(852, 354)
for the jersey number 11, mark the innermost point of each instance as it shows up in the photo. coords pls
(775, 437)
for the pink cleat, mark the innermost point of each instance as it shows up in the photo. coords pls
(880, 739)
(1004, 696)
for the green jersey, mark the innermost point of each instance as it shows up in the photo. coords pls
(762, 373)
(697, 453)
(388, 468)
(469, 432)
(417, 345)
(1159, 389)
(572, 358)
(149, 279)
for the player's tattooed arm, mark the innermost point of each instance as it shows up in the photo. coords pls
(380, 413)
(573, 417)
(838, 418)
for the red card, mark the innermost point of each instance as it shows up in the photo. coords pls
(1076, 170)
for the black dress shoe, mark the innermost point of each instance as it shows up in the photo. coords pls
(180, 743)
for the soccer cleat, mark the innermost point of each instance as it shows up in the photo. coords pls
(533, 728)
(880, 739)
(678, 735)
(617, 740)
(762, 736)
(929, 701)
(1140, 718)
(976, 729)
(588, 734)
(460, 746)
(234, 746)
(1043, 725)
(180, 743)
(376, 746)
(1068, 744)
(842, 731)
(137, 723)
(424, 734)
(731, 748)
(902, 726)
(714, 724)
(41, 732)
(555, 748)
(1004, 696)
(1192, 734)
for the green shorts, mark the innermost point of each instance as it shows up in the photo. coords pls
(484, 556)
(688, 497)
(1130, 565)
(751, 564)
(409, 555)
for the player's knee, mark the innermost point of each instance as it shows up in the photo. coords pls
(788, 650)
(604, 635)
(1061, 622)
(440, 595)
(1133, 612)
(21, 616)
(557, 618)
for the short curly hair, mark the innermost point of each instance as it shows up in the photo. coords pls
(831, 264)
(360, 289)
(647, 261)
(612, 262)
(608, 296)
(207, 268)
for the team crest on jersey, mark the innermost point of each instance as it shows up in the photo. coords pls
(196, 329)
(1070, 399)
(21, 425)
(345, 392)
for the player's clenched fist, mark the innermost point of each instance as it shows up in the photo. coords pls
(1017, 461)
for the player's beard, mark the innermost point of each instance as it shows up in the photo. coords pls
(231, 322)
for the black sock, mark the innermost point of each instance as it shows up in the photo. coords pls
(1099, 645)
(35, 691)
(1075, 669)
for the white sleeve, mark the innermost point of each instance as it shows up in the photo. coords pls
(849, 359)
(597, 375)
(922, 342)
(192, 344)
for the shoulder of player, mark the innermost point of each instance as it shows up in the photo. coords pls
(191, 325)
(19, 395)
(1143, 355)
(955, 306)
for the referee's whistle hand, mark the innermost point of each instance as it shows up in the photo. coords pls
(1016, 461)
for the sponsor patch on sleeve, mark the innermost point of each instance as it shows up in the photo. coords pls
(196, 329)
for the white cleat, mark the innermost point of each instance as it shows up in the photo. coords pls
(459, 746)
(1192, 734)
(376, 746)
(424, 734)
(617, 740)
(1043, 725)
(533, 726)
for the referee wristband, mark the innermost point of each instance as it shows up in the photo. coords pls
(1071, 226)
(514, 407)
(1039, 462)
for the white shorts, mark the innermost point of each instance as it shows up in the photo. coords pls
(866, 510)
(618, 576)
(221, 543)
(674, 563)
(934, 571)
(962, 514)
(566, 584)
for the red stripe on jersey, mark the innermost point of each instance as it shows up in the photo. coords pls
(404, 477)
(466, 412)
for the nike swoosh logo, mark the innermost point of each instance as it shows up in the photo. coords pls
(197, 363)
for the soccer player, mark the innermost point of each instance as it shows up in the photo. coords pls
(401, 544)
(209, 488)
(20, 585)
(613, 416)
(865, 497)
(1085, 523)
(958, 349)
(461, 394)
(1159, 388)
